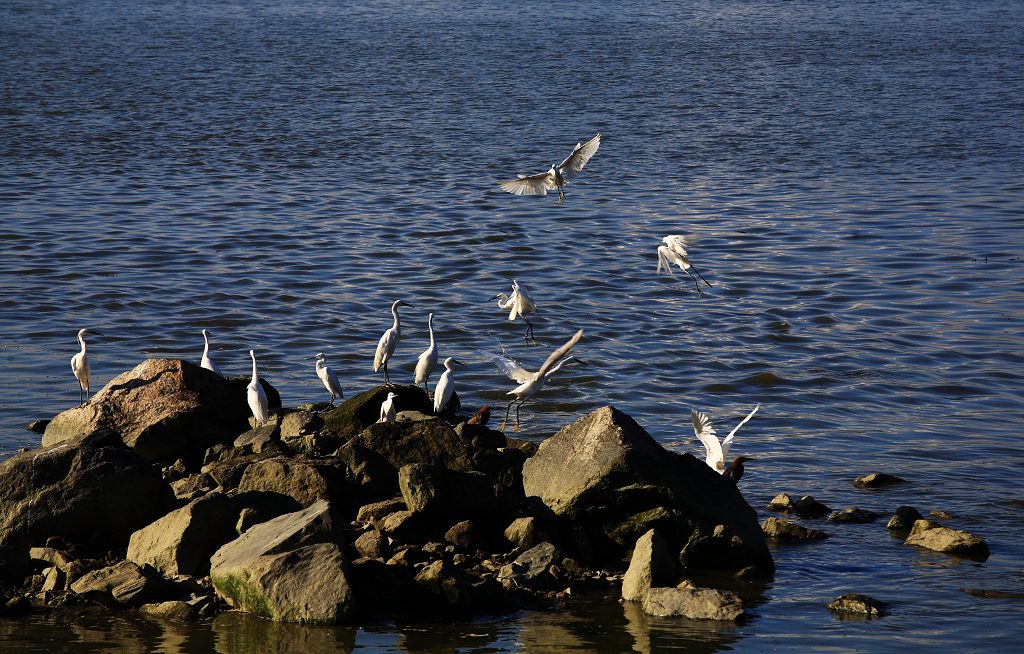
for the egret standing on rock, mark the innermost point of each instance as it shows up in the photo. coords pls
(716, 451)
(446, 385)
(388, 341)
(555, 177)
(530, 383)
(520, 303)
(328, 377)
(387, 409)
(256, 395)
(674, 252)
(80, 367)
(207, 362)
(428, 360)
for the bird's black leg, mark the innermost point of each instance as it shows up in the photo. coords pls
(701, 276)
(387, 380)
(529, 331)
(517, 414)
(81, 396)
(695, 284)
(509, 408)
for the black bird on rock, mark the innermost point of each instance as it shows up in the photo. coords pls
(735, 469)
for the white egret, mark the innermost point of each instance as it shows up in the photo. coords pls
(555, 177)
(674, 252)
(80, 367)
(207, 362)
(256, 395)
(328, 377)
(530, 383)
(445, 385)
(716, 452)
(388, 341)
(428, 360)
(387, 408)
(520, 303)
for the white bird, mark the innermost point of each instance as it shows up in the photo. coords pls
(80, 367)
(674, 252)
(530, 383)
(717, 452)
(328, 377)
(445, 385)
(555, 177)
(520, 303)
(207, 362)
(427, 361)
(388, 341)
(256, 395)
(387, 408)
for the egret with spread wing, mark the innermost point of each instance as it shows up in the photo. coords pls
(530, 383)
(674, 252)
(716, 451)
(520, 303)
(555, 177)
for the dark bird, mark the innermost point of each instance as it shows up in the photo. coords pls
(481, 417)
(555, 177)
(735, 469)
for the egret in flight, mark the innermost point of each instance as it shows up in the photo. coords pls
(387, 409)
(80, 367)
(530, 383)
(555, 177)
(445, 385)
(256, 395)
(388, 341)
(674, 252)
(207, 362)
(520, 303)
(716, 451)
(427, 361)
(328, 377)
(735, 469)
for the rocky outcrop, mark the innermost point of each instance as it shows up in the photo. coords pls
(437, 491)
(359, 412)
(122, 583)
(607, 475)
(163, 409)
(780, 529)
(805, 507)
(695, 603)
(877, 480)
(933, 536)
(650, 565)
(853, 515)
(307, 481)
(859, 604)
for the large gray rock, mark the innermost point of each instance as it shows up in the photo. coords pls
(357, 413)
(780, 529)
(530, 568)
(650, 565)
(877, 480)
(122, 583)
(606, 473)
(163, 409)
(694, 603)
(289, 569)
(934, 536)
(306, 481)
(92, 491)
(438, 491)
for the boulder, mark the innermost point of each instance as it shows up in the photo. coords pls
(193, 486)
(934, 536)
(295, 424)
(163, 409)
(530, 569)
(780, 529)
(443, 581)
(427, 441)
(805, 507)
(650, 565)
(175, 610)
(904, 519)
(305, 480)
(854, 515)
(93, 491)
(357, 413)
(463, 534)
(403, 526)
(372, 544)
(856, 603)
(376, 511)
(439, 492)
(289, 569)
(694, 603)
(604, 470)
(525, 532)
(265, 438)
(122, 583)
(181, 542)
(877, 480)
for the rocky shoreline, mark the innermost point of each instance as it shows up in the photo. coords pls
(158, 495)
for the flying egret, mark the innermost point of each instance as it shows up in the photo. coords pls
(520, 303)
(207, 362)
(445, 385)
(531, 382)
(735, 469)
(387, 409)
(555, 177)
(674, 252)
(428, 360)
(80, 367)
(327, 376)
(256, 395)
(716, 451)
(388, 341)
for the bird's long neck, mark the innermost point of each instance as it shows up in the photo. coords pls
(206, 347)
(255, 375)
(320, 364)
(81, 339)
(397, 325)
(430, 328)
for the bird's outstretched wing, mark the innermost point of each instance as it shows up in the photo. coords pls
(676, 243)
(728, 439)
(706, 434)
(581, 154)
(525, 300)
(538, 184)
(664, 259)
(560, 352)
(510, 367)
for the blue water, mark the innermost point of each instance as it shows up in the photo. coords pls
(848, 175)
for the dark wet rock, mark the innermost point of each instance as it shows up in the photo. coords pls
(443, 581)
(37, 426)
(877, 480)
(265, 438)
(904, 519)
(289, 569)
(174, 610)
(605, 474)
(529, 570)
(650, 565)
(376, 511)
(464, 534)
(780, 529)
(695, 603)
(163, 409)
(298, 423)
(941, 515)
(805, 507)
(372, 544)
(989, 593)
(359, 412)
(429, 441)
(856, 603)
(305, 481)
(934, 536)
(15, 606)
(383, 590)
(122, 583)
(439, 492)
(854, 515)
(529, 448)
(92, 491)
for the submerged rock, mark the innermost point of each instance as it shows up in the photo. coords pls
(904, 519)
(121, 583)
(934, 536)
(805, 507)
(650, 565)
(780, 529)
(695, 603)
(854, 515)
(856, 603)
(877, 480)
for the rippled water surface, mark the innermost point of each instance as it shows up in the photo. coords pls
(848, 174)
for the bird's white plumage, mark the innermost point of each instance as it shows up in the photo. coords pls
(387, 408)
(328, 377)
(427, 361)
(512, 368)
(206, 361)
(389, 340)
(581, 154)
(716, 452)
(538, 184)
(519, 303)
(445, 386)
(531, 385)
(541, 183)
(673, 252)
(80, 364)
(256, 395)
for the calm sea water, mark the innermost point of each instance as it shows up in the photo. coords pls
(849, 175)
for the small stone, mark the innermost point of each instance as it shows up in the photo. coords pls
(904, 519)
(784, 530)
(854, 515)
(856, 603)
(247, 517)
(372, 545)
(37, 426)
(805, 507)
(941, 515)
(523, 532)
(375, 512)
(934, 536)
(175, 471)
(175, 610)
(463, 534)
(877, 480)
